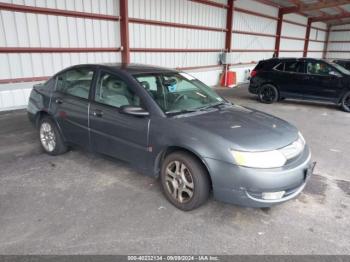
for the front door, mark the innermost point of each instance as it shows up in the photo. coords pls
(70, 102)
(112, 132)
(324, 81)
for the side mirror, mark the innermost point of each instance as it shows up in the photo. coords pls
(134, 110)
(334, 73)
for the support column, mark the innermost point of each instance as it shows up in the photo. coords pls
(124, 31)
(229, 22)
(228, 38)
(307, 37)
(278, 33)
(325, 46)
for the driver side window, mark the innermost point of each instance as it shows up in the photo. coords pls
(113, 91)
(318, 68)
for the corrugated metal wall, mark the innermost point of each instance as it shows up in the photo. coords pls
(254, 31)
(317, 40)
(22, 29)
(294, 33)
(246, 23)
(18, 29)
(339, 42)
(180, 11)
(287, 45)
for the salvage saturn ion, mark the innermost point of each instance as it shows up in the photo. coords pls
(166, 123)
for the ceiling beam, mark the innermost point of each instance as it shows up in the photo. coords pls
(330, 17)
(268, 2)
(340, 23)
(301, 7)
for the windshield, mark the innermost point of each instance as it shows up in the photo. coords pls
(340, 68)
(178, 92)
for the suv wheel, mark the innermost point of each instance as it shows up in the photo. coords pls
(345, 102)
(268, 94)
(185, 181)
(50, 138)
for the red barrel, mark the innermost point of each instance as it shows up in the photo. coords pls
(228, 79)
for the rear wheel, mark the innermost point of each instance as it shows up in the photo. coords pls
(50, 138)
(345, 103)
(185, 181)
(268, 94)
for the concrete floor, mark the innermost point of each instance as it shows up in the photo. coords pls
(81, 203)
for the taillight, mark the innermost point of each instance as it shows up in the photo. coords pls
(253, 73)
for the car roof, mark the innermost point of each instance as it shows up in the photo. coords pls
(133, 68)
(280, 59)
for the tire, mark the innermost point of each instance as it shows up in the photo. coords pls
(189, 175)
(268, 94)
(50, 138)
(345, 102)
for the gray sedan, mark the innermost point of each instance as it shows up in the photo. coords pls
(170, 125)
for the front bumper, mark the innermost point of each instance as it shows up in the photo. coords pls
(245, 186)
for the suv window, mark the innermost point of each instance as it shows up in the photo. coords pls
(266, 65)
(113, 91)
(75, 82)
(280, 67)
(318, 68)
(293, 66)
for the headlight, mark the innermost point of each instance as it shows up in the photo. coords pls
(266, 159)
(295, 148)
(270, 159)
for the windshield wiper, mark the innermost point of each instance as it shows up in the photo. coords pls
(212, 105)
(182, 111)
(185, 111)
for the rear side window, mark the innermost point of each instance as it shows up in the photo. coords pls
(280, 67)
(75, 82)
(293, 66)
(259, 66)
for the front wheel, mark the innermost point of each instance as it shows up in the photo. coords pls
(345, 102)
(50, 138)
(268, 94)
(185, 181)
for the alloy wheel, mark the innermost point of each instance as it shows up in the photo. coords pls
(179, 181)
(268, 94)
(47, 137)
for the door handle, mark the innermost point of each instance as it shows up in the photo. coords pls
(97, 113)
(58, 101)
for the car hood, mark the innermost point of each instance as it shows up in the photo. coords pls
(244, 128)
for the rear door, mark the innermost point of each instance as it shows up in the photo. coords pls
(324, 81)
(290, 76)
(112, 132)
(70, 102)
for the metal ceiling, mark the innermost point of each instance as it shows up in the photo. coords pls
(331, 12)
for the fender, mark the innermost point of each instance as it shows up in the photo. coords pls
(40, 114)
(160, 156)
